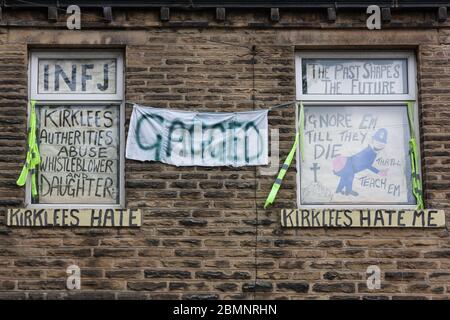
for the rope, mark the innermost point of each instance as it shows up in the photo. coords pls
(256, 175)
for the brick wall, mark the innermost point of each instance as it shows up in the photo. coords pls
(205, 234)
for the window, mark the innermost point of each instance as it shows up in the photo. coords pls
(80, 128)
(356, 132)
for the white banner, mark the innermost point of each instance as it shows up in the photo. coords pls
(186, 138)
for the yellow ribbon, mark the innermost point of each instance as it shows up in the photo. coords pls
(33, 158)
(413, 154)
(298, 137)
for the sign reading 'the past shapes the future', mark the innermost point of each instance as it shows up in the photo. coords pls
(354, 76)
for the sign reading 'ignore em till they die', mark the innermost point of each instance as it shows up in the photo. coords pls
(105, 217)
(365, 218)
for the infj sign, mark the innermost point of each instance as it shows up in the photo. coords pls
(59, 76)
(354, 76)
(376, 218)
(76, 75)
(105, 217)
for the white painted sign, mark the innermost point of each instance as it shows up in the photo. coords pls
(356, 155)
(63, 217)
(79, 147)
(354, 76)
(76, 76)
(365, 218)
(186, 138)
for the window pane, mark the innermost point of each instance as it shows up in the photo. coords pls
(356, 155)
(354, 76)
(77, 76)
(79, 147)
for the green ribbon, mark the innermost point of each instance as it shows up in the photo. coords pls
(298, 137)
(301, 129)
(413, 155)
(33, 158)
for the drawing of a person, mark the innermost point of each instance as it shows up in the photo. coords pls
(347, 167)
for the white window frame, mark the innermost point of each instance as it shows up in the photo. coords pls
(80, 99)
(77, 54)
(369, 100)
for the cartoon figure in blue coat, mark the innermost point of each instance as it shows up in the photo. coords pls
(347, 167)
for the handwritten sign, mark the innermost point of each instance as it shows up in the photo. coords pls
(354, 76)
(204, 139)
(108, 217)
(346, 218)
(356, 154)
(77, 76)
(79, 148)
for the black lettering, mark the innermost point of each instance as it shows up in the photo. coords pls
(105, 85)
(132, 218)
(96, 217)
(75, 220)
(400, 218)
(364, 218)
(379, 218)
(85, 76)
(109, 215)
(305, 220)
(431, 214)
(418, 214)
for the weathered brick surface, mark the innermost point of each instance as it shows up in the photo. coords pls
(205, 234)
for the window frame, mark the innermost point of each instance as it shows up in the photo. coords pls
(80, 99)
(369, 100)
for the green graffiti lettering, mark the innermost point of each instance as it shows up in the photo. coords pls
(157, 144)
(208, 144)
(221, 141)
(232, 126)
(247, 127)
(177, 124)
